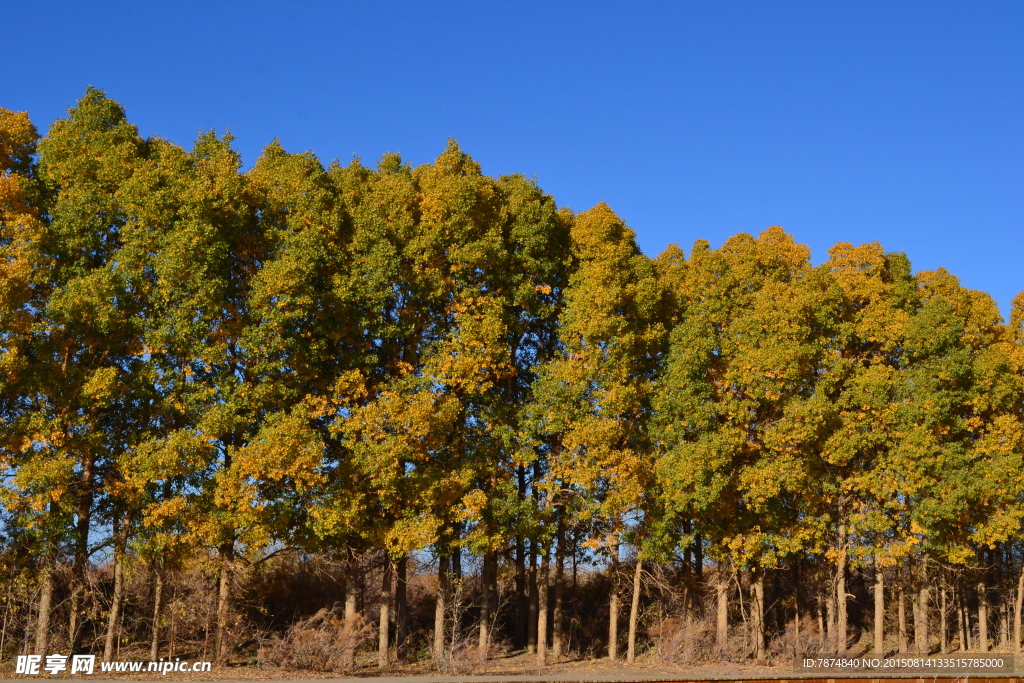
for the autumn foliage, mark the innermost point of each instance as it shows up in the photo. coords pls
(309, 415)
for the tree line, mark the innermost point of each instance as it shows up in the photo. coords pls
(209, 369)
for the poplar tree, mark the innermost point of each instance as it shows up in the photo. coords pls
(593, 397)
(75, 406)
(745, 350)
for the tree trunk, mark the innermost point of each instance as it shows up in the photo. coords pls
(556, 626)
(634, 610)
(879, 608)
(83, 514)
(531, 624)
(439, 608)
(113, 620)
(698, 556)
(384, 625)
(722, 615)
(401, 605)
(522, 594)
(45, 603)
(796, 606)
(172, 637)
(485, 608)
(158, 603)
(351, 601)
(920, 608)
(352, 622)
(841, 612)
(921, 635)
(1004, 626)
(963, 622)
(224, 600)
(943, 626)
(542, 607)
(1018, 602)
(613, 602)
(830, 612)
(982, 617)
(7, 614)
(74, 608)
(902, 615)
(996, 555)
(757, 612)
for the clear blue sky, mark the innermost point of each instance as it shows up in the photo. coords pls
(901, 122)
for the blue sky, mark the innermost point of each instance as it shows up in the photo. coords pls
(901, 122)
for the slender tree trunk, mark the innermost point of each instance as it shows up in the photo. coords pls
(757, 612)
(796, 606)
(556, 626)
(634, 610)
(158, 603)
(120, 629)
(841, 611)
(42, 645)
(982, 616)
(879, 608)
(485, 608)
(542, 607)
(1018, 603)
(722, 614)
(401, 605)
(351, 602)
(384, 625)
(531, 624)
(796, 631)
(1000, 582)
(172, 639)
(74, 609)
(830, 613)
(113, 621)
(115, 609)
(224, 600)
(522, 596)
(1004, 626)
(439, 608)
(83, 514)
(902, 615)
(921, 635)
(943, 626)
(7, 614)
(963, 622)
(353, 590)
(698, 556)
(613, 602)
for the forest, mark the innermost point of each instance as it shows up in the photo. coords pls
(333, 416)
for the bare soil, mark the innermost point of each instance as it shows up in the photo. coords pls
(519, 666)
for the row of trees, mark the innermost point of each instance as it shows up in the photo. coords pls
(408, 363)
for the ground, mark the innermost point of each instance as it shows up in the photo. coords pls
(519, 667)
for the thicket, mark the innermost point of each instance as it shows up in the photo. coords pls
(297, 414)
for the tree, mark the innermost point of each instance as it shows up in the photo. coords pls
(592, 402)
(744, 352)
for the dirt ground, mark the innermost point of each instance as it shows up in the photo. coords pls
(520, 666)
